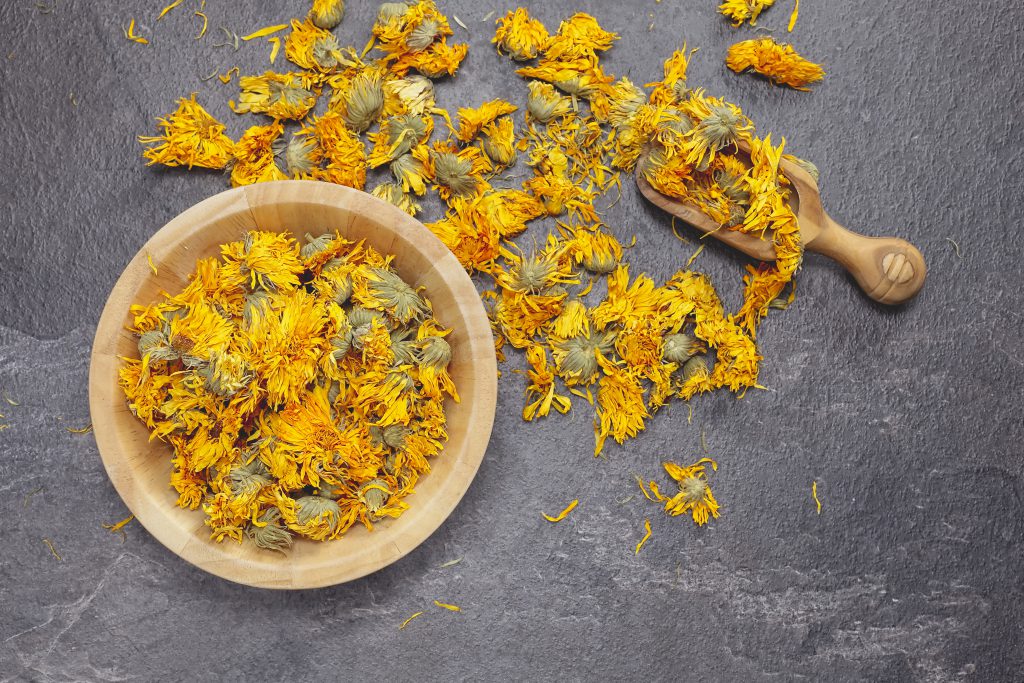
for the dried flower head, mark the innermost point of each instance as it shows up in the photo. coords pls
(499, 142)
(519, 35)
(434, 352)
(375, 494)
(411, 173)
(364, 101)
(190, 137)
(327, 14)
(680, 347)
(301, 155)
(778, 62)
(395, 294)
(454, 172)
(281, 96)
(268, 533)
(545, 103)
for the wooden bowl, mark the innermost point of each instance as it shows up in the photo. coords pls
(140, 469)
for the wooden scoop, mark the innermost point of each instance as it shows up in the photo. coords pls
(889, 270)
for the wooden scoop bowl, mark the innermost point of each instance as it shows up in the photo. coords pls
(889, 270)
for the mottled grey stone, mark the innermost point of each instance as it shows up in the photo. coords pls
(908, 419)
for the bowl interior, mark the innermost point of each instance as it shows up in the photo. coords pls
(140, 468)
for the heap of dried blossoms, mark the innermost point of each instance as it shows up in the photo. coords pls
(587, 325)
(301, 387)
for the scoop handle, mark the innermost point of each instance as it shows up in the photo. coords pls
(890, 270)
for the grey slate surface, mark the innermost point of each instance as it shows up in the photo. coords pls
(909, 419)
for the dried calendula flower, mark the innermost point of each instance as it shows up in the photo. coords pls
(578, 357)
(255, 158)
(454, 172)
(280, 96)
(397, 296)
(327, 14)
(191, 137)
(302, 155)
(499, 142)
(740, 11)
(267, 533)
(519, 35)
(694, 496)
(545, 103)
(341, 149)
(411, 173)
(680, 347)
(471, 121)
(413, 94)
(540, 393)
(393, 194)
(695, 367)
(398, 136)
(375, 494)
(313, 48)
(779, 63)
(364, 101)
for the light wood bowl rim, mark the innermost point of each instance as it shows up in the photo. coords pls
(358, 553)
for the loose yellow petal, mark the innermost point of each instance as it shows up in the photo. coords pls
(792, 17)
(83, 430)
(406, 622)
(206, 22)
(49, 544)
(167, 9)
(276, 42)
(693, 257)
(814, 494)
(640, 483)
(643, 541)
(265, 31)
(451, 608)
(149, 260)
(118, 528)
(562, 515)
(129, 33)
(226, 77)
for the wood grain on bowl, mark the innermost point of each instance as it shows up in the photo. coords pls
(140, 468)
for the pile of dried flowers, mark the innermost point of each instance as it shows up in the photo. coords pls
(302, 388)
(642, 343)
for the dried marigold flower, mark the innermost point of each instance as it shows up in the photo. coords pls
(363, 101)
(471, 121)
(779, 63)
(398, 136)
(694, 496)
(740, 11)
(519, 35)
(680, 347)
(454, 172)
(268, 533)
(411, 173)
(255, 158)
(540, 394)
(302, 155)
(544, 103)
(327, 14)
(413, 94)
(191, 137)
(281, 96)
(393, 194)
(499, 142)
